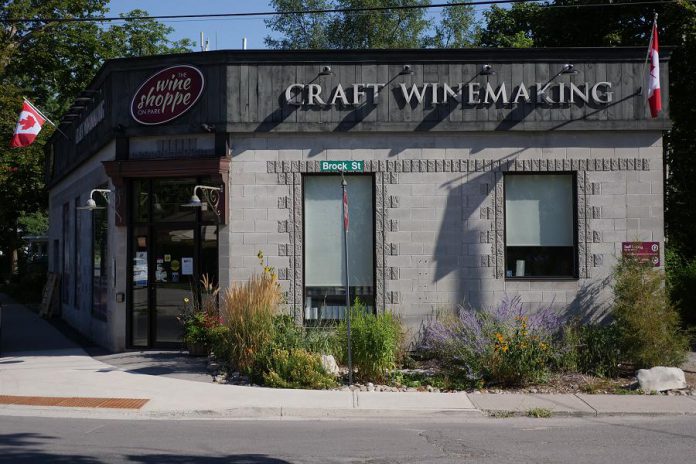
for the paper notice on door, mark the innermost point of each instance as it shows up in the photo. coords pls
(186, 266)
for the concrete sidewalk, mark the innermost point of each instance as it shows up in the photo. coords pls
(38, 361)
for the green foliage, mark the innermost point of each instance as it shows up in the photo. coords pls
(648, 325)
(220, 340)
(518, 356)
(376, 341)
(539, 413)
(398, 28)
(50, 63)
(510, 27)
(456, 28)
(589, 349)
(296, 368)
(681, 282)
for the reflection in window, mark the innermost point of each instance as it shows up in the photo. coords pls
(540, 226)
(324, 245)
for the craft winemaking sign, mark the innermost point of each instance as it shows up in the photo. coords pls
(168, 94)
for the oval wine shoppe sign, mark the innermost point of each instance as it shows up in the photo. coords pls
(167, 95)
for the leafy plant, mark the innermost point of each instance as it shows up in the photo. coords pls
(200, 316)
(375, 341)
(681, 281)
(296, 368)
(502, 345)
(590, 349)
(648, 326)
(539, 413)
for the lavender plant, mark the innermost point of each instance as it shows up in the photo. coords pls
(505, 344)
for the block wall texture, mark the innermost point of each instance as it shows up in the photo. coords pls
(77, 311)
(439, 215)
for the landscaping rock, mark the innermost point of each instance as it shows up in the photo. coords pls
(328, 362)
(661, 379)
(370, 387)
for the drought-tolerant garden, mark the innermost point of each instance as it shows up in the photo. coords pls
(506, 347)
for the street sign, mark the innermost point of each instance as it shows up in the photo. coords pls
(338, 166)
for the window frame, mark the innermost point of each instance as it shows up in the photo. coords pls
(576, 260)
(374, 237)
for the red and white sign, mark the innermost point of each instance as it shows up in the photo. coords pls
(654, 98)
(346, 219)
(644, 252)
(28, 126)
(167, 94)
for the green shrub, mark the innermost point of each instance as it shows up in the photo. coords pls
(589, 349)
(648, 325)
(296, 368)
(681, 282)
(519, 356)
(506, 344)
(376, 341)
(220, 342)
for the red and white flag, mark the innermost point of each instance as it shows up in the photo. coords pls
(346, 220)
(654, 98)
(28, 126)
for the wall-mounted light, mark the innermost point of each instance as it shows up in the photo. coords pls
(91, 204)
(208, 127)
(568, 69)
(211, 195)
(326, 71)
(406, 71)
(487, 70)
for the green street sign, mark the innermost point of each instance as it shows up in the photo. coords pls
(338, 166)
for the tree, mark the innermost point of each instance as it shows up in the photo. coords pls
(379, 29)
(512, 27)
(396, 28)
(456, 28)
(49, 62)
(300, 31)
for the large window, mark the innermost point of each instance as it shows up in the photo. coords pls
(324, 246)
(65, 291)
(540, 227)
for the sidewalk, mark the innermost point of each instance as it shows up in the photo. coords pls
(38, 361)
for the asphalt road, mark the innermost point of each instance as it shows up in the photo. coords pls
(616, 440)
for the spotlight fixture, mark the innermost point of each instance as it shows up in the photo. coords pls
(569, 69)
(325, 71)
(487, 70)
(91, 205)
(407, 70)
(208, 127)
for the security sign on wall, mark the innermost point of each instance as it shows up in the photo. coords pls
(167, 94)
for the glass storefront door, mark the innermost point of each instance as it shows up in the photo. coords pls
(168, 259)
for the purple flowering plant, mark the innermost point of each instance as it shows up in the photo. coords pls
(505, 344)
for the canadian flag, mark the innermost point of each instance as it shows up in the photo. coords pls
(28, 126)
(654, 98)
(346, 220)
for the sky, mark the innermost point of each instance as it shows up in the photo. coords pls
(221, 33)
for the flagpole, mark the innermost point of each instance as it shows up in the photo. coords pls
(45, 117)
(345, 242)
(647, 54)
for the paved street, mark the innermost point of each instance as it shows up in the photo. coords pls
(615, 440)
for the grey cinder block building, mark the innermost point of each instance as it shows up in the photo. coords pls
(479, 173)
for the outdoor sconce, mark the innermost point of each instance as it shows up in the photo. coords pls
(211, 195)
(91, 205)
(326, 71)
(568, 69)
(487, 70)
(407, 71)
